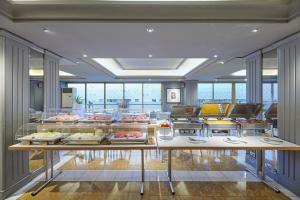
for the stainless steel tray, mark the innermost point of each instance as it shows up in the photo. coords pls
(60, 121)
(271, 113)
(253, 126)
(184, 111)
(134, 121)
(96, 121)
(96, 140)
(245, 110)
(186, 125)
(220, 126)
(128, 140)
(52, 140)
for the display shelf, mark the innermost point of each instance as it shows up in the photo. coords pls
(134, 118)
(128, 133)
(61, 116)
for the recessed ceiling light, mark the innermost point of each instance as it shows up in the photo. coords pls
(150, 30)
(150, 55)
(255, 30)
(77, 62)
(45, 30)
(216, 55)
(221, 62)
(84, 55)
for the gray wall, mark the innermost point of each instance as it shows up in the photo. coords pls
(51, 81)
(288, 113)
(14, 103)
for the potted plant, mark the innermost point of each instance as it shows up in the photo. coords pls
(78, 103)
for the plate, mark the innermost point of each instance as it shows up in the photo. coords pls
(234, 141)
(196, 140)
(274, 141)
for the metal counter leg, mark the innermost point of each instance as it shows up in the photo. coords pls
(143, 171)
(47, 180)
(170, 171)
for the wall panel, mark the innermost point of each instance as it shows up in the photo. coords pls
(288, 113)
(15, 105)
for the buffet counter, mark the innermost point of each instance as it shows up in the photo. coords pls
(257, 143)
(48, 150)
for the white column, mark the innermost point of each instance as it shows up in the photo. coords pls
(51, 81)
(190, 93)
(254, 77)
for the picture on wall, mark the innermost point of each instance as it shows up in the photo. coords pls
(173, 95)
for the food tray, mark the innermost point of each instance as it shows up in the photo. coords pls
(134, 117)
(45, 140)
(218, 110)
(133, 120)
(220, 124)
(85, 120)
(245, 110)
(59, 121)
(129, 140)
(252, 125)
(271, 113)
(78, 140)
(184, 112)
(51, 120)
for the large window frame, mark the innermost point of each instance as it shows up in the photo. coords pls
(233, 91)
(123, 96)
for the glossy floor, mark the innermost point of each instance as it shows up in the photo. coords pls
(197, 175)
(157, 190)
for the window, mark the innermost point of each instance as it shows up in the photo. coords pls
(133, 96)
(214, 92)
(275, 92)
(223, 92)
(114, 95)
(205, 92)
(151, 97)
(270, 94)
(94, 97)
(240, 92)
(80, 90)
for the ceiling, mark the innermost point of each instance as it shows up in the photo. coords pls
(149, 63)
(128, 42)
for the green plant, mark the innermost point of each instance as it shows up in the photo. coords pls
(78, 100)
